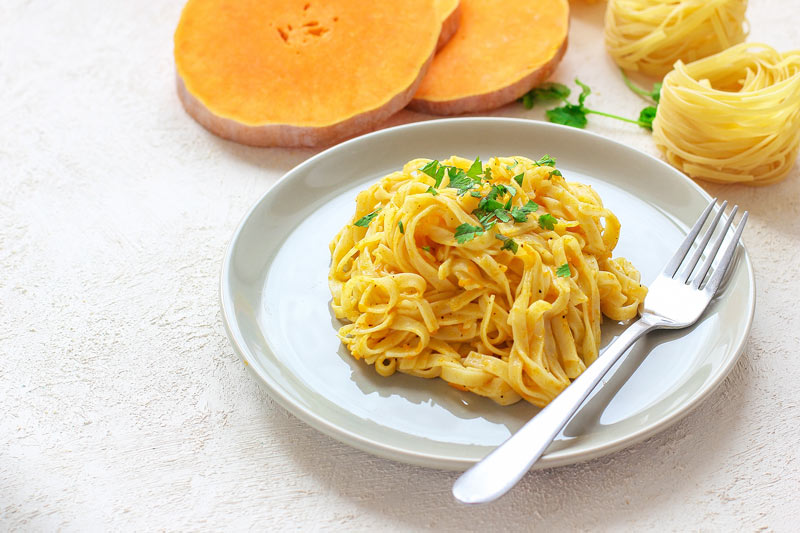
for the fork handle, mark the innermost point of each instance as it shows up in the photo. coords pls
(496, 473)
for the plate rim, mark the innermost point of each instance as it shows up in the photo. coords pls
(439, 461)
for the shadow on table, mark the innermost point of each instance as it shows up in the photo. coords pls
(633, 479)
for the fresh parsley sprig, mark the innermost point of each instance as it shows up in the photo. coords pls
(543, 93)
(574, 115)
(654, 94)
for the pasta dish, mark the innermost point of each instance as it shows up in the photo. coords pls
(493, 277)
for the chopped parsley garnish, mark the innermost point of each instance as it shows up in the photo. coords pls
(462, 182)
(433, 191)
(400, 225)
(430, 168)
(520, 214)
(427, 249)
(489, 204)
(545, 161)
(475, 169)
(508, 243)
(547, 221)
(555, 172)
(503, 215)
(475, 194)
(434, 170)
(563, 271)
(519, 177)
(466, 232)
(364, 221)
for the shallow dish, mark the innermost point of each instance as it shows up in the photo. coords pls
(275, 301)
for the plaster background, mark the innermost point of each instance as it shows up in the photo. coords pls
(124, 407)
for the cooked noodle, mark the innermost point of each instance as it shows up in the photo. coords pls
(732, 117)
(508, 317)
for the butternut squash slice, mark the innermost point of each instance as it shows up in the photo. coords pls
(300, 72)
(502, 49)
(449, 12)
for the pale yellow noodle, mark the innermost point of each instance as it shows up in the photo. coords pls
(651, 35)
(490, 321)
(733, 116)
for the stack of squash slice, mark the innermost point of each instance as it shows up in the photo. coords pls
(314, 72)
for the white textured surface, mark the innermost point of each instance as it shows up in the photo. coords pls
(123, 405)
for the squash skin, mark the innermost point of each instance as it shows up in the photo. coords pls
(479, 103)
(461, 62)
(290, 136)
(277, 125)
(449, 25)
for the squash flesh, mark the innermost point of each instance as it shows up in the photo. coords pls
(276, 62)
(498, 43)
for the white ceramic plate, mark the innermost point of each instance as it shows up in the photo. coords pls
(275, 301)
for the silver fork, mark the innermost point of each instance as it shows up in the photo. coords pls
(676, 299)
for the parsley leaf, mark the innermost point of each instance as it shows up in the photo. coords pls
(439, 176)
(476, 168)
(563, 271)
(512, 167)
(520, 214)
(495, 191)
(547, 221)
(462, 182)
(489, 204)
(435, 170)
(430, 168)
(427, 249)
(508, 243)
(502, 214)
(466, 232)
(575, 114)
(519, 177)
(364, 221)
(568, 115)
(508, 205)
(555, 172)
(487, 220)
(433, 191)
(646, 117)
(400, 225)
(475, 194)
(546, 91)
(545, 161)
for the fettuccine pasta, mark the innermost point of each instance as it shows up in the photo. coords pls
(650, 35)
(492, 277)
(732, 117)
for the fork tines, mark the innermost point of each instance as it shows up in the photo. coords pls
(722, 231)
